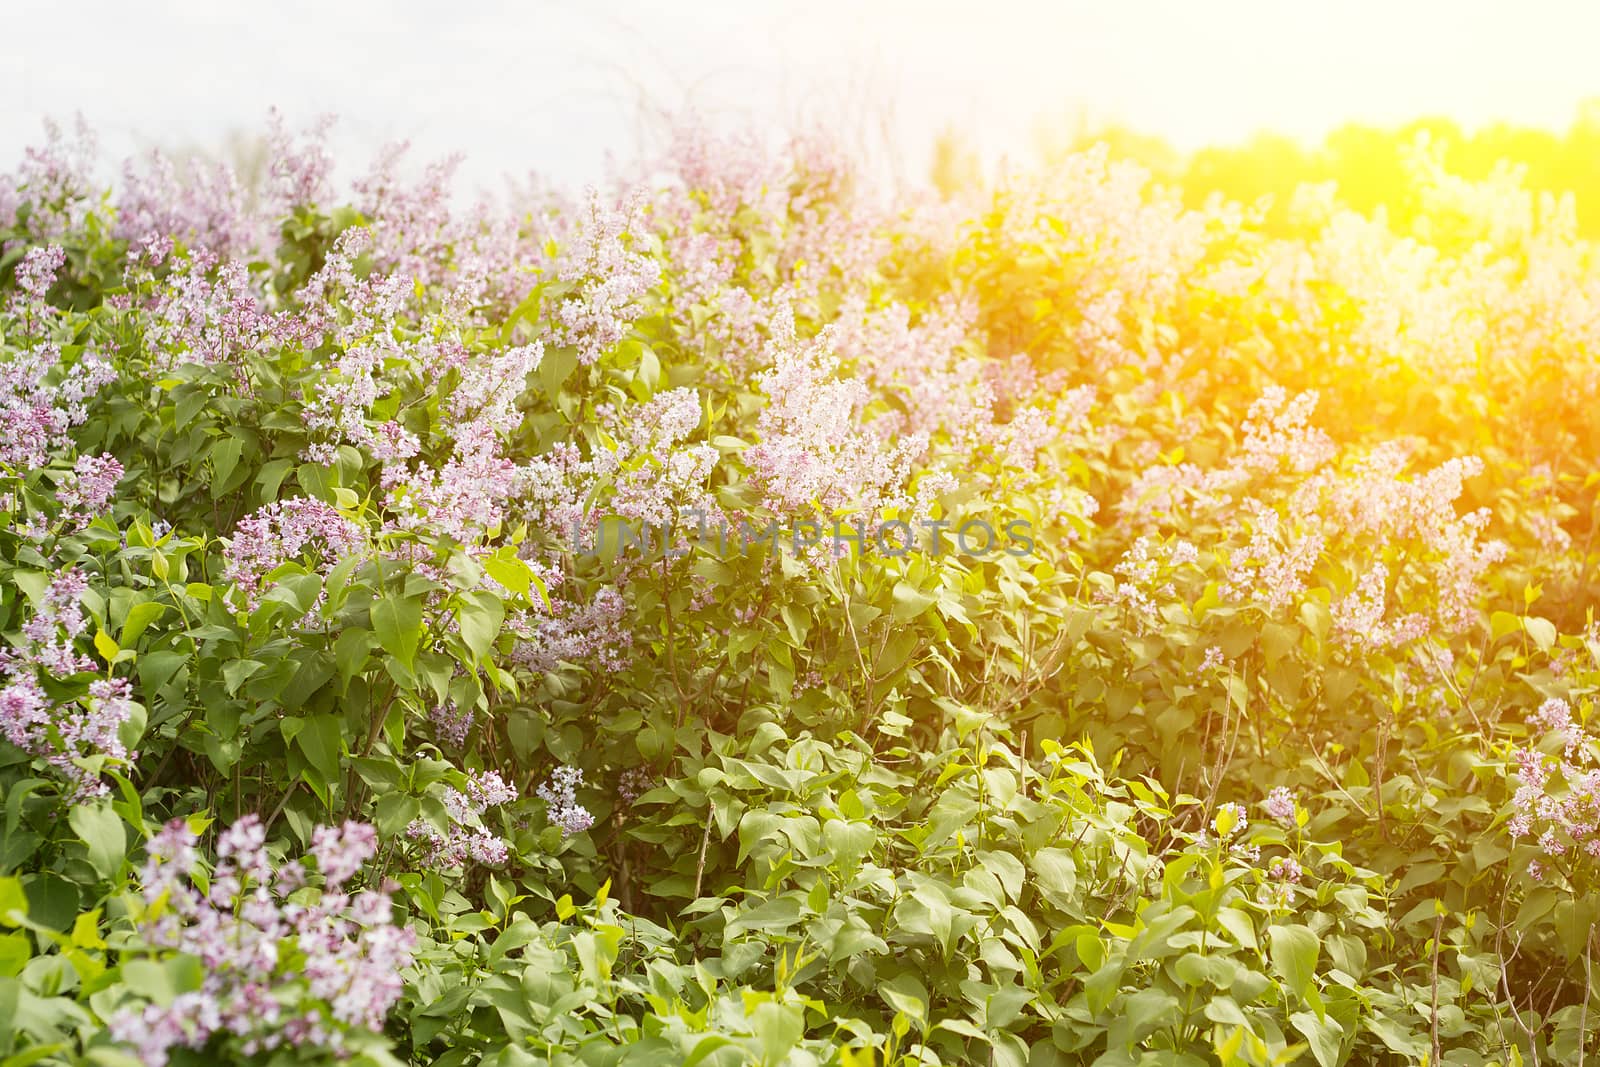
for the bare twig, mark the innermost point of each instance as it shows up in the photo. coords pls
(1433, 996)
(283, 802)
(1588, 985)
(705, 842)
(1505, 979)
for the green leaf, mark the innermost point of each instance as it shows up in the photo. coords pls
(848, 841)
(1293, 950)
(101, 829)
(757, 827)
(1323, 1035)
(398, 625)
(554, 368)
(715, 1050)
(52, 900)
(13, 902)
(224, 457)
(15, 951)
(1398, 1036)
(649, 369)
(1238, 924)
(779, 913)
(156, 669)
(1502, 623)
(1056, 874)
(480, 617)
(271, 477)
(1221, 1009)
(909, 601)
(140, 616)
(1543, 632)
(906, 994)
(321, 739)
(350, 651)
(236, 672)
(510, 571)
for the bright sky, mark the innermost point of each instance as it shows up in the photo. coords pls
(555, 86)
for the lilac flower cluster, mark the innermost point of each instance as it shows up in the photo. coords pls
(466, 840)
(1230, 821)
(451, 723)
(202, 204)
(1231, 824)
(662, 473)
(301, 169)
(1147, 568)
(43, 395)
(609, 275)
(36, 274)
(997, 424)
(55, 181)
(465, 497)
(1278, 433)
(282, 970)
(1280, 806)
(281, 532)
(415, 231)
(1285, 869)
(1309, 508)
(203, 311)
(205, 205)
(1557, 800)
(595, 631)
(458, 847)
(87, 489)
(814, 451)
(1377, 499)
(489, 790)
(561, 483)
(634, 783)
(560, 793)
(67, 733)
(1280, 877)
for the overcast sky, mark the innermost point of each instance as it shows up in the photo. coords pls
(556, 86)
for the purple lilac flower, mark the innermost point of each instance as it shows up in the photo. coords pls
(283, 531)
(560, 794)
(62, 731)
(1280, 805)
(466, 840)
(452, 723)
(349, 959)
(1285, 869)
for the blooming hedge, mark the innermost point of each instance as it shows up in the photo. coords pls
(744, 616)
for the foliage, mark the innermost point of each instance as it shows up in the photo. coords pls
(741, 618)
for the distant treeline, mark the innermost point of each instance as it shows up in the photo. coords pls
(1369, 163)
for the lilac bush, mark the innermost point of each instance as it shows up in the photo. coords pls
(582, 593)
(284, 966)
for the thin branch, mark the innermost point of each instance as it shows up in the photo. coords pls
(705, 842)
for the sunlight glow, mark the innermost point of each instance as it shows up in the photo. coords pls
(559, 85)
